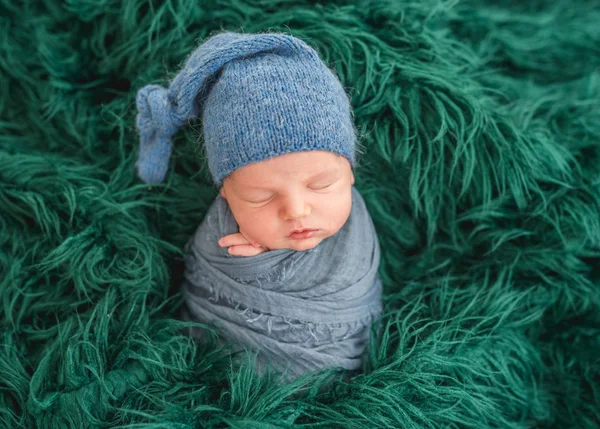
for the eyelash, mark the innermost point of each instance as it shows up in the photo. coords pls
(261, 202)
(320, 188)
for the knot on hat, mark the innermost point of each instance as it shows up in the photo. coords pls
(156, 123)
(156, 115)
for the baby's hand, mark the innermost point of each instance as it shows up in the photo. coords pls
(240, 246)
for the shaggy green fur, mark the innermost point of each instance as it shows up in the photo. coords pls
(480, 122)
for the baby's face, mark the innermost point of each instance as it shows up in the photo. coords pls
(291, 201)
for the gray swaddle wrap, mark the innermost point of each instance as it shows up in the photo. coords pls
(302, 311)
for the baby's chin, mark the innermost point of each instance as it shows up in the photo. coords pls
(300, 245)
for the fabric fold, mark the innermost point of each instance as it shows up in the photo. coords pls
(301, 310)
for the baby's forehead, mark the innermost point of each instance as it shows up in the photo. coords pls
(299, 166)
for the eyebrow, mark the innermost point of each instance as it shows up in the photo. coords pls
(324, 173)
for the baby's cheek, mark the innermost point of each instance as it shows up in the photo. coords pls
(343, 212)
(261, 226)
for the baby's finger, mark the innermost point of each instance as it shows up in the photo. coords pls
(245, 250)
(233, 240)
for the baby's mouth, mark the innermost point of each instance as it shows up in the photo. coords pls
(303, 234)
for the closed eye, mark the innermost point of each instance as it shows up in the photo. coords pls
(260, 201)
(321, 187)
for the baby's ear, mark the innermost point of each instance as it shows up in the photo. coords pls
(352, 179)
(222, 192)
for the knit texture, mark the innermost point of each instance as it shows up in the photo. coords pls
(259, 95)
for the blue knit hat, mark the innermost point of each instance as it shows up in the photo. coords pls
(260, 95)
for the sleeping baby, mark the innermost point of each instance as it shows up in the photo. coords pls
(285, 261)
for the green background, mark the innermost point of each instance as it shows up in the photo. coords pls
(480, 127)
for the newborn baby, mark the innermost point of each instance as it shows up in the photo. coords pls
(285, 261)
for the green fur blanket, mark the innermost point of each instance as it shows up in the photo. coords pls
(480, 122)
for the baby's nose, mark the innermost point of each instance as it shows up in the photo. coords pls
(294, 209)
